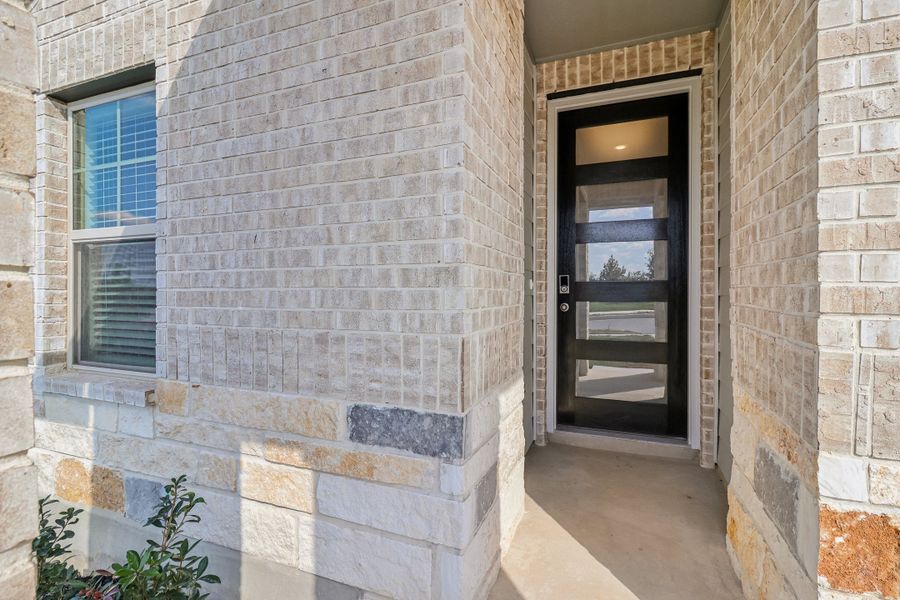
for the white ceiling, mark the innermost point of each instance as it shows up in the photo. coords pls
(559, 28)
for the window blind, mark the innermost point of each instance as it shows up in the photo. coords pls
(118, 303)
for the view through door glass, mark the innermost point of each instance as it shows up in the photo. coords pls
(622, 265)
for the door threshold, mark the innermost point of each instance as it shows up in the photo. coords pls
(626, 443)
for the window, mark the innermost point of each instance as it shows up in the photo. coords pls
(113, 229)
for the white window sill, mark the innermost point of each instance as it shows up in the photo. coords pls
(121, 389)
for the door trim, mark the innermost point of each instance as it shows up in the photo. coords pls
(691, 85)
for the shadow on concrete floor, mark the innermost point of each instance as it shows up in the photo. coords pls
(608, 526)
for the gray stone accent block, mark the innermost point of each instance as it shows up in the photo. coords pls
(778, 487)
(141, 498)
(485, 493)
(429, 434)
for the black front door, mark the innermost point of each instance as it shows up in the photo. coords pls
(622, 195)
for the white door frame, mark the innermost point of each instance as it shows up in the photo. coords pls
(691, 85)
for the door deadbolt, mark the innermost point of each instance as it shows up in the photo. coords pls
(564, 307)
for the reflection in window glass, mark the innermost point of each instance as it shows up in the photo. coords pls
(631, 382)
(621, 261)
(114, 163)
(621, 321)
(624, 201)
(630, 140)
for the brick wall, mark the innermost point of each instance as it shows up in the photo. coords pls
(859, 271)
(325, 158)
(772, 518)
(18, 496)
(340, 282)
(494, 247)
(695, 51)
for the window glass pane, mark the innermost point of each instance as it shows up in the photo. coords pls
(138, 194)
(100, 135)
(118, 303)
(138, 127)
(621, 261)
(621, 321)
(632, 382)
(114, 163)
(625, 201)
(622, 141)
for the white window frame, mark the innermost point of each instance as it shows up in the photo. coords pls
(146, 232)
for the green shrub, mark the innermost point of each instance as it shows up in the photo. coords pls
(57, 579)
(166, 569)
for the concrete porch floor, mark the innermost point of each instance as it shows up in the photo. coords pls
(608, 526)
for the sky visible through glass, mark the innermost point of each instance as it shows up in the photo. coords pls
(631, 255)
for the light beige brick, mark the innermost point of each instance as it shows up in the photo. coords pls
(880, 334)
(875, 9)
(879, 136)
(881, 267)
(879, 202)
(838, 75)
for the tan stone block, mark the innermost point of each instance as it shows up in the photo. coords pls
(171, 396)
(261, 410)
(18, 55)
(387, 468)
(148, 456)
(16, 318)
(16, 243)
(745, 542)
(17, 132)
(274, 484)
(212, 435)
(16, 415)
(218, 471)
(18, 509)
(17, 573)
(65, 439)
(91, 485)
(884, 484)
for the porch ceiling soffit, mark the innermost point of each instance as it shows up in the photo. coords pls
(560, 28)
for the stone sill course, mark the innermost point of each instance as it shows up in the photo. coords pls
(121, 389)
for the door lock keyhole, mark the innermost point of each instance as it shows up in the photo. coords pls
(564, 307)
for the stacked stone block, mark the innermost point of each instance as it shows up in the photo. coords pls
(320, 486)
(673, 55)
(340, 262)
(773, 516)
(18, 495)
(859, 270)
